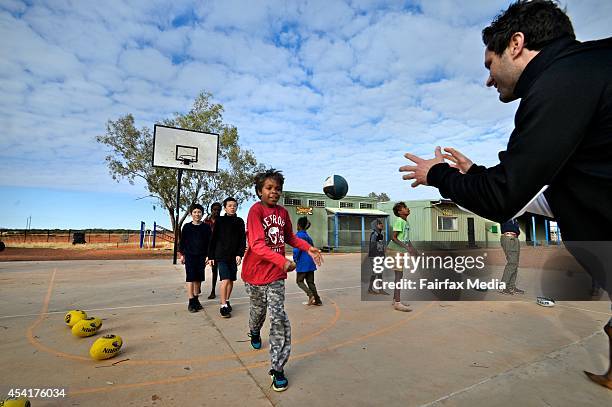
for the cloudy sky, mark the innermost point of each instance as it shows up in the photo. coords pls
(314, 88)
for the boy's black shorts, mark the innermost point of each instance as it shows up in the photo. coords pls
(227, 270)
(194, 268)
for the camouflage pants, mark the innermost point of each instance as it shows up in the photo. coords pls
(271, 297)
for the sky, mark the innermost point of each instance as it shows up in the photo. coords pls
(314, 87)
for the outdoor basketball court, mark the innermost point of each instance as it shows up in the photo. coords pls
(347, 351)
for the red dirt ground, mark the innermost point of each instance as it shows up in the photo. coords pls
(36, 254)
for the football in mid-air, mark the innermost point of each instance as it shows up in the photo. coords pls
(335, 187)
(106, 347)
(87, 327)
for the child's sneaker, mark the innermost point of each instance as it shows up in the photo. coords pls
(229, 306)
(225, 313)
(197, 304)
(398, 306)
(255, 340)
(279, 381)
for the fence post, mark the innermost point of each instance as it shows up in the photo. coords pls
(142, 233)
(154, 233)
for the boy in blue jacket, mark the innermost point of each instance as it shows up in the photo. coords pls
(305, 266)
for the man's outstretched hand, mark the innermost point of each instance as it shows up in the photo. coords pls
(459, 161)
(419, 171)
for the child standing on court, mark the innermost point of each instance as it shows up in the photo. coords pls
(400, 243)
(376, 249)
(215, 211)
(193, 249)
(265, 268)
(227, 247)
(305, 265)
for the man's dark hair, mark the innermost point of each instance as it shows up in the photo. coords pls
(260, 179)
(229, 199)
(541, 21)
(212, 205)
(397, 207)
(195, 206)
(303, 223)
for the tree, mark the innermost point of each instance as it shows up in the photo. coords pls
(131, 153)
(382, 197)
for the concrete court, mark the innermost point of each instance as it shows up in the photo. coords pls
(347, 352)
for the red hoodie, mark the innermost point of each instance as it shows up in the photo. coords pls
(268, 229)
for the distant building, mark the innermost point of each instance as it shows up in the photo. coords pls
(343, 224)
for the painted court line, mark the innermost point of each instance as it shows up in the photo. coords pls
(161, 305)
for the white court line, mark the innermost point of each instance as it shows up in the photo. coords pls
(161, 305)
(568, 306)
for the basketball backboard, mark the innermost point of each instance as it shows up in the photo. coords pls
(185, 149)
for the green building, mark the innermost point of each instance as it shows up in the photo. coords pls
(343, 224)
(335, 225)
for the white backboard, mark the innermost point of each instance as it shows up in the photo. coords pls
(186, 149)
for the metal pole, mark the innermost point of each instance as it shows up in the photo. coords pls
(546, 230)
(363, 229)
(336, 230)
(533, 226)
(142, 233)
(154, 233)
(177, 229)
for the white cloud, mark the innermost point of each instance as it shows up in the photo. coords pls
(315, 87)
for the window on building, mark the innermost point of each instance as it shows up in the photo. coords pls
(346, 204)
(292, 202)
(447, 223)
(316, 204)
(366, 205)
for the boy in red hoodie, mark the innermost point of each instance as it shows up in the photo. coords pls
(265, 267)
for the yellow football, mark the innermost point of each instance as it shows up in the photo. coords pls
(87, 327)
(74, 316)
(18, 402)
(106, 347)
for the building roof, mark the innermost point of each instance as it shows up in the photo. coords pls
(351, 211)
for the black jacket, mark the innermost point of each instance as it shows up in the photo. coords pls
(228, 239)
(562, 138)
(195, 239)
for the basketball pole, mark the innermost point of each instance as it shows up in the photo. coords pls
(178, 207)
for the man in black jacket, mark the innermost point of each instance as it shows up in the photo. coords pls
(562, 141)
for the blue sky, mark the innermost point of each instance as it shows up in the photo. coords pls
(314, 88)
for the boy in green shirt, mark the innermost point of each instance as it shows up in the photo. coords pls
(400, 243)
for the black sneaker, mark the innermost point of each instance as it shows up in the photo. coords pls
(255, 340)
(279, 381)
(229, 307)
(191, 307)
(225, 312)
(196, 303)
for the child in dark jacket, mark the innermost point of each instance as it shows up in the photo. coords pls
(305, 265)
(376, 249)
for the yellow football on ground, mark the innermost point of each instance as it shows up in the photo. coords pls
(18, 402)
(87, 327)
(74, 316)
(106, 347)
